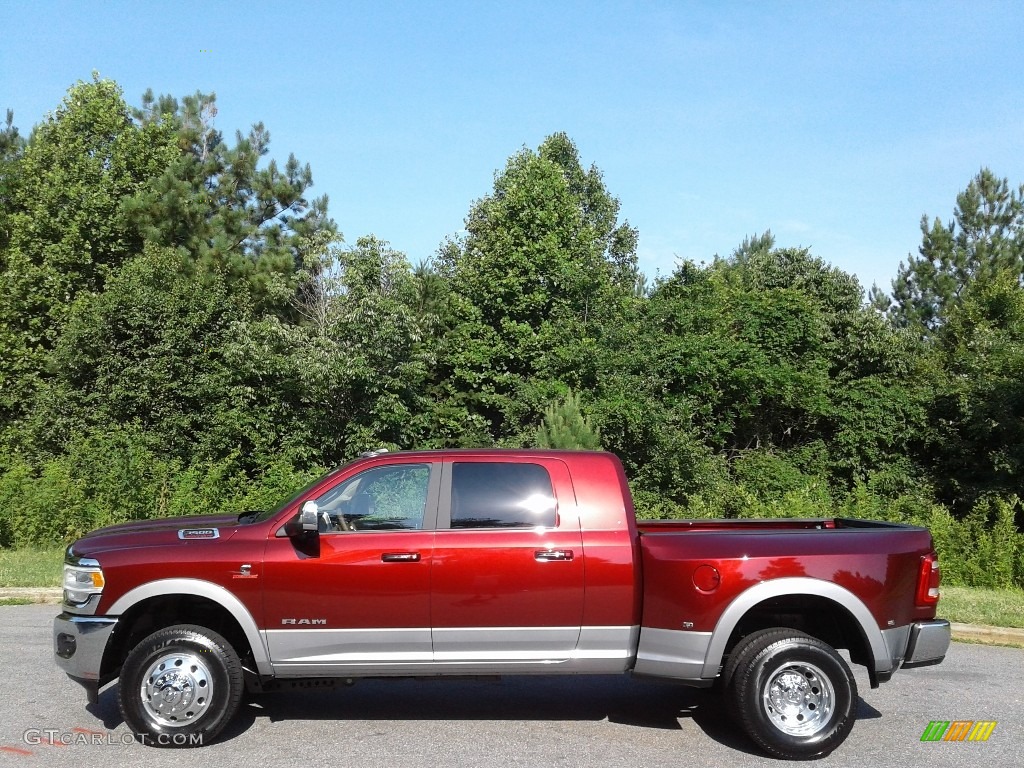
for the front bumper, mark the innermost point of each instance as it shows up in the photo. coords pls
(78, 646)
(928, 643)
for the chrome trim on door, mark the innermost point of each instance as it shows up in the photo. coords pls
(400, 557)
(504, 643)
(472, 650)
(318, 650)
(553, 555)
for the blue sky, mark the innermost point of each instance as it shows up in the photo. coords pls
(835, 125)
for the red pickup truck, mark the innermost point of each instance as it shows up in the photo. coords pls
(491, 562)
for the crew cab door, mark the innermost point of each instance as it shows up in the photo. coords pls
(507, 575)
(361, 605)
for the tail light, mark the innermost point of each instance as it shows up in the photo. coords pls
(928, 579)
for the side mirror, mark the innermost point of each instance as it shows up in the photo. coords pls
(309, 516)
(303, 530)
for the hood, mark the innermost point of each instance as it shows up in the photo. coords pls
(146, 533)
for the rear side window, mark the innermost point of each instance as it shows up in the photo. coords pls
(501, 495)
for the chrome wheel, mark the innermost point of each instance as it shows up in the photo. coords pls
(180, 686)
(794, 695)
(176, 689)
(798, 699)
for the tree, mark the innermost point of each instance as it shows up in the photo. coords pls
(12, 144)
(565, 427)
(100, 185)
(985, 239)
(543, 262)
(544, 242)
(749, 363)
(148, 351)
(977, 445)
(216, 202)
(352, 374)
(66, 228)
(768, 358)
(759, 266)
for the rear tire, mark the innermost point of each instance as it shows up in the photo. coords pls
(794, 695)
(180, 686)
(740, 655)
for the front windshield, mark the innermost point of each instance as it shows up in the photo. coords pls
(259, 517)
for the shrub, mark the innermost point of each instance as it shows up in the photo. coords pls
(43, 508)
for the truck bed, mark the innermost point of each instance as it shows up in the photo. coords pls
(693, 569)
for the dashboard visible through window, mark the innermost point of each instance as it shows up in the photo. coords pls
(381, 499)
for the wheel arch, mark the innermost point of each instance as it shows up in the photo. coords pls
(800, 595)
(165, 602)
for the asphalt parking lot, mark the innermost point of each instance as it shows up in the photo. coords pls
(544, 721)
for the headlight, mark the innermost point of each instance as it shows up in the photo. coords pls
(83, 581)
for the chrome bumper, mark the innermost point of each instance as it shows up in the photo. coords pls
(78, 645)
(928, 643)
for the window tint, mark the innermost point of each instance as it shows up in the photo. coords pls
(505, 495)
(380, 499)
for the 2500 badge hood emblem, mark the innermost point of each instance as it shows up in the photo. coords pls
(187, 534)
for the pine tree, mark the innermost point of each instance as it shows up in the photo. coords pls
(565, 427)
(231, 212)
(11, 147)
(985, 239)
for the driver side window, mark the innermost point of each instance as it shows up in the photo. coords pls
(380, 499)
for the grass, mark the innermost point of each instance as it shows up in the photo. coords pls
(15, 601)
(974, 605)
(32, 567)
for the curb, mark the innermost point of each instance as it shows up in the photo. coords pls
(981, 633)
(35, 594)
(972, 633)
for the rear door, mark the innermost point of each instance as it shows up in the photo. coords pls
(507, 574)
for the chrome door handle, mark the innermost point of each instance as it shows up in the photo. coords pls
(552, 555)
(400, 557)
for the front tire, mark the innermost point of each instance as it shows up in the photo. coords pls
(180, 686)
(795, 696)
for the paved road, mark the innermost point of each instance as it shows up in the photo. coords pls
(585, 721)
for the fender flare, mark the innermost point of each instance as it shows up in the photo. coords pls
(214, 592)
(795, 586)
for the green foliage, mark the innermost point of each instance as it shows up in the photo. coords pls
(544, 264)
(183, 330)
(985, 238)
(978, 444)
(11, 147)
(45, 508)
(352, 375)
(108, 478)
(149, 351)
(230, 214)
(66, 227)
(768, 475)
(983, 549)
(564, 426)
